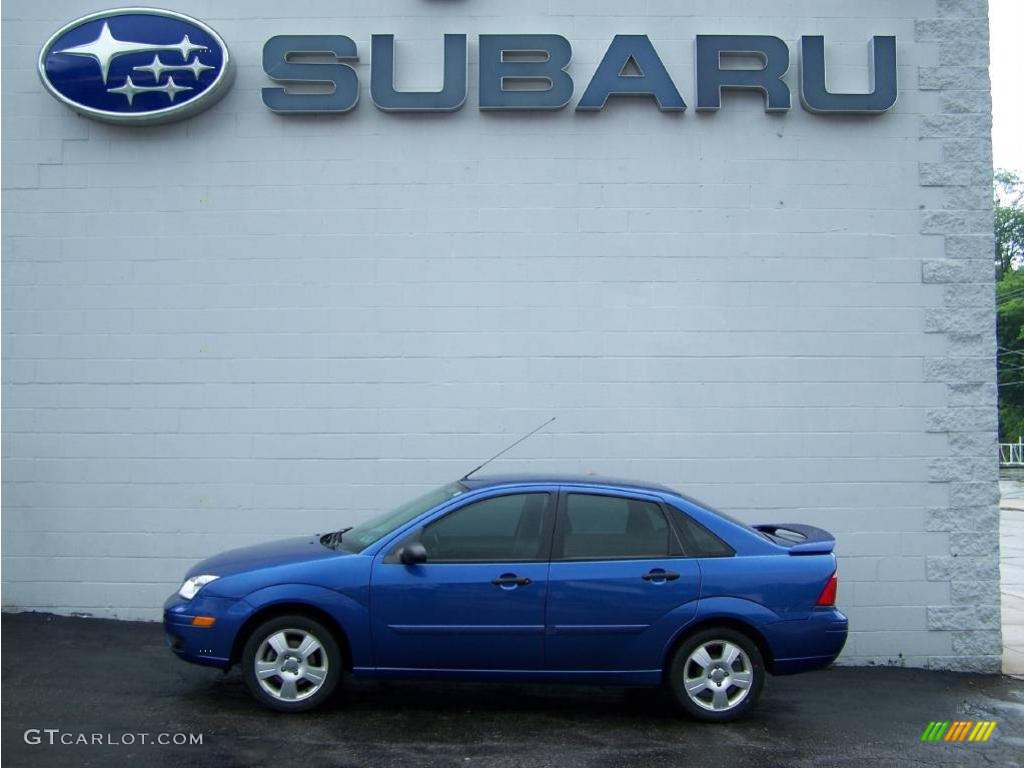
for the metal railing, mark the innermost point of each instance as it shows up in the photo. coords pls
(1012, 454)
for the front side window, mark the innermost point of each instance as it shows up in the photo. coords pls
(499, 529)
(612, 527)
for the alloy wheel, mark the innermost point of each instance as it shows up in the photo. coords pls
(717, 676)
(291, 664)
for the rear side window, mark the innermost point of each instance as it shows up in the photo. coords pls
(612, 527)
(698, 541)
(499, 529)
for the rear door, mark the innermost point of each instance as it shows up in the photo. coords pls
(478, 601)
(619, 587)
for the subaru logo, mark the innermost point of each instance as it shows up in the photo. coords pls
(136, 66)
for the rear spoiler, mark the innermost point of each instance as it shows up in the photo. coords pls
(801, 539)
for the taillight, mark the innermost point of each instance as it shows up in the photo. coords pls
(828, 594)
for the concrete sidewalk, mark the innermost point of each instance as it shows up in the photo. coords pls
(1011, 572)
(113, 678)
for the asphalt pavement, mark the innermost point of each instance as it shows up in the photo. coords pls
(74, 679)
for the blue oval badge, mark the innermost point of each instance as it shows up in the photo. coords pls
(136, 66)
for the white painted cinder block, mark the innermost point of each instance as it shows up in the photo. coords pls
(734, 304)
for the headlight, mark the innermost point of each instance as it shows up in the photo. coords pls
(193, 584)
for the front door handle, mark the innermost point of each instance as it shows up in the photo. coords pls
(510, 581)
(659, 575)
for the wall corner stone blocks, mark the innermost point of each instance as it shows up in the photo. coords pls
(962, 125)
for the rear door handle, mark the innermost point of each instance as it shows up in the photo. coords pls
(507, 580)
(656, 575)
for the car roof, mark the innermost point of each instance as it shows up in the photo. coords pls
(597, 481)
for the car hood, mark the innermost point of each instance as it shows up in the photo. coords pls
(273, 553)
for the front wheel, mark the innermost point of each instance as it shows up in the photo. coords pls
(291, 663)
(716, 675)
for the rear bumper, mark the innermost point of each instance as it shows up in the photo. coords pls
(209, 646)
(812, 643)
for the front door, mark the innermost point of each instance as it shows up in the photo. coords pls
(619, 588)
(477, 603)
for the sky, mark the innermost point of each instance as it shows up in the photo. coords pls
(1007, 20)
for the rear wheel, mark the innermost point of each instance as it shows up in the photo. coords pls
(291, 663)
(716, 675)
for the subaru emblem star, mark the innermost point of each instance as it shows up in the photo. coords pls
(136, 66)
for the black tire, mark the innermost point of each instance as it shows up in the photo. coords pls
(718, 677)
(295, 674)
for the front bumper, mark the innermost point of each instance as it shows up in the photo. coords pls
(211, 646)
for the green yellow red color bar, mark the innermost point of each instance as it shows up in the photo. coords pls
(958, 730)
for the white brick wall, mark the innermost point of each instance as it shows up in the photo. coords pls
(750, 307)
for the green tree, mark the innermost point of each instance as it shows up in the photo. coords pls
(1009, 205)
(1009, 230)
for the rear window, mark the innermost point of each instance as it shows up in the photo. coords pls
(698, 541)
(723, 515)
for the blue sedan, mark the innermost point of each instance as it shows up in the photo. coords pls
(524, 578)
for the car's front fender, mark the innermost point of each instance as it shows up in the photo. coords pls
(349, 615)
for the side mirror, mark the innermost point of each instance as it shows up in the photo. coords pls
(413, 553)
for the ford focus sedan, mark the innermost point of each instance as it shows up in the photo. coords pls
(539, 579)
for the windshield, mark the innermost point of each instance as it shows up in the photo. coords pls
(363, 535)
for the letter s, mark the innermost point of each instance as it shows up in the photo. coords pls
(343, 78)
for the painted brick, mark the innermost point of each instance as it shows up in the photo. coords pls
(722, 303)
(945, 29)
(965, 519)
(973, 443)
(966, 198)
(967, 150)
(964, 617)
(956, 569)
(959, 469)
(950, 271)
(977, 644)
(974, 592)
(948, 174)
(953, 79)
(943, 222)
(964, 323)
(961, 8)
(964, 52)
(957, 102)
(896, 647)
(971, 394)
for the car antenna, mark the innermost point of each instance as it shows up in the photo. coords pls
(506, 450)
